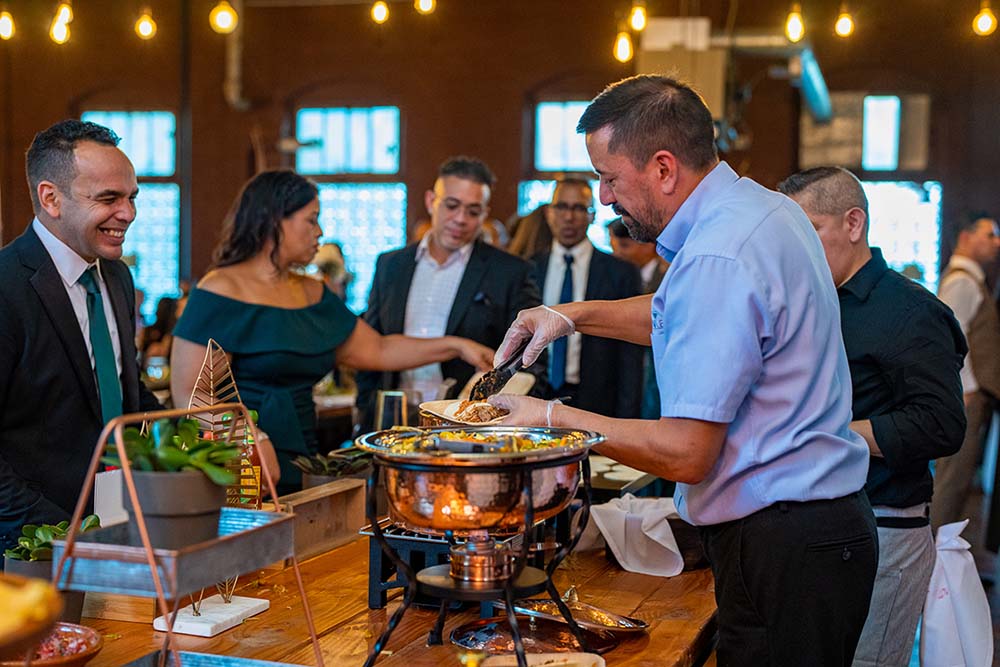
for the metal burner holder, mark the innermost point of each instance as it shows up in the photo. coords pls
(437, 582)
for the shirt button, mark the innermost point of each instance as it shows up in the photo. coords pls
(846, 555)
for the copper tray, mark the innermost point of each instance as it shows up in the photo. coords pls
(492, 635)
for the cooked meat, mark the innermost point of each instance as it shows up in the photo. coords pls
(478, 411)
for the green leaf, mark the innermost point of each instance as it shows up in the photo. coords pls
(111, 461)
(170, 458)
(41, 553)
(63, 526)
(13, 554)
(143, 463)
(162, 432)
(220, 476)
(44, 534)
(28, 530)
(187, 432)
(223, 455)
(90, 522)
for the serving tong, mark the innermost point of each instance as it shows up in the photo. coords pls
(495, 380)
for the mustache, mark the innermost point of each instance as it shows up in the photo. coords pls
(617, 208)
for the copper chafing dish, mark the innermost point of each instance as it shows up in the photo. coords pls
(467, 480)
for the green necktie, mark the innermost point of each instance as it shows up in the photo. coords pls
(108, 385)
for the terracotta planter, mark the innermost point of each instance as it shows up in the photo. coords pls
(180, 508)
(42, 569)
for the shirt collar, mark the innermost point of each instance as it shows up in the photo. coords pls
(459, 255)
(969, 265)
(672, 238)
(69, 264)
(863, 282)
(581, 251)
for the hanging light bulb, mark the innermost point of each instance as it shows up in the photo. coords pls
(6, 25)
(623, 45)
(145, 27)
(844, 26)
(380, 12)
(223, 18)
(59, 32)
(795, 27)
(637, 16)
(64, 12)
(986, 21)
(424, 6)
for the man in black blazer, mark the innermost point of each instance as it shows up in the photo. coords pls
(67, 331)
(597, 374)
(450, 283)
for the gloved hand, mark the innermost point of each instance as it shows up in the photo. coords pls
(542, 325)
(524, 410)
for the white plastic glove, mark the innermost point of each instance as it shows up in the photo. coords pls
(542, 325)
(524, 410)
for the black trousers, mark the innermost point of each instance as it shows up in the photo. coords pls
(793, 582)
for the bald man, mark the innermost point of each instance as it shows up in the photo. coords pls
(905, 351)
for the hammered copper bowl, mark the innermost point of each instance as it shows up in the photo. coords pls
(434, 492)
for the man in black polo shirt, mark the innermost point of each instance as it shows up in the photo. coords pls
(905, 350)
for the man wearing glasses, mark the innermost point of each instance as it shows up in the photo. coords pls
(450, 283)
(597, 374)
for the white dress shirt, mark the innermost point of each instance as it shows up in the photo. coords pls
(70, 267)
(582, 252)
(432, 294)
(962, 292)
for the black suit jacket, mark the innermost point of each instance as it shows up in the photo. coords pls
(494, 288)
(50, 415)
(610, 370)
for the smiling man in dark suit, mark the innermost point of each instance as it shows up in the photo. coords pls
(601, 375)
(67, 324)
(450, 283)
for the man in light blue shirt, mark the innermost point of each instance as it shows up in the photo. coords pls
(755, 390)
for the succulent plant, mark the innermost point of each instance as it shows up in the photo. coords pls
(338, 463)
(169, 447)
(35, 542)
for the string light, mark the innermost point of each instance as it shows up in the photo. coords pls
(795, 27)
(623, 46)
(145, 27)
(223, 18)
(424, 6)
(64, 12)
(59, 32)
(6, 25)
(380, 12)
(986, 21)
(637, 16)
(844, 26)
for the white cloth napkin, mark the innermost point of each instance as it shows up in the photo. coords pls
(638, 533)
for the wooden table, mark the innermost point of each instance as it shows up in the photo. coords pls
(680, 610)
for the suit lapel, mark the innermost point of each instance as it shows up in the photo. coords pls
(394, 310)
(48, 285)
(475, 270)
(595, 276)
(124, 322)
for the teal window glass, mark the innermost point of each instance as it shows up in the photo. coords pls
(366, 219)
(558, 147)
(880, 134)
(152, 242)
(348, 140)
(532, 194)
(906, 224)
(147, 137)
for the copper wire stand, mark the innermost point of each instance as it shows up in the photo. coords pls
(525, 581)
(241, 417)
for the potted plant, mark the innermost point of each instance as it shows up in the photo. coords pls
(180, 479)
(322, 468)
(32, 557)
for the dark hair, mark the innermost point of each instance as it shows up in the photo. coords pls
(50, 155)
(469, 168)
(968, 222)
(831, 190)
(649, 113)
(266, 200)
(571, 179)
(618, 229)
